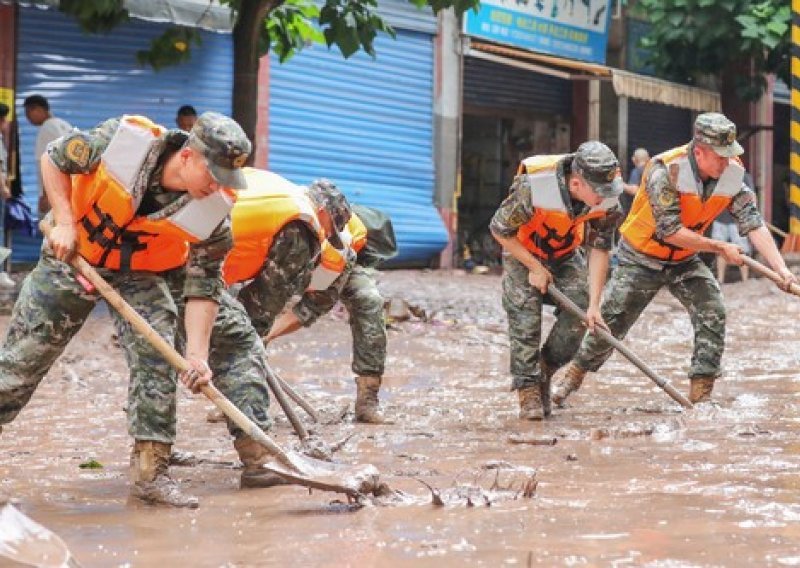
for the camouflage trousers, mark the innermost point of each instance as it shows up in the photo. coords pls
(51, 309)
(364, 303)
(237, 356)
(523, 305)
(632, 287)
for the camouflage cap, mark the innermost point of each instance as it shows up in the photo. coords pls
(715, 130)
(325, 194)
(598, 165)
(225, 146)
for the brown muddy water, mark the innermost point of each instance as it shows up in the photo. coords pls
(631, 480)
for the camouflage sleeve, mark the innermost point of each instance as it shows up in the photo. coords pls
(600, 232)
(204, 267)
(664, 201)
(316, 303)
(516, 210)
(79, 152)
(743, 209)
(287, 271)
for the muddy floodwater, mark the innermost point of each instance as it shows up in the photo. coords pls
(631, 480)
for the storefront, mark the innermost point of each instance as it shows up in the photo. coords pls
(534, 81)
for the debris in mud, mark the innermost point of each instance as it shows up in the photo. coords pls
(751, 431)
(571, 457)
(531, 440)
(519, 482)
(635, 430)
(26, 542)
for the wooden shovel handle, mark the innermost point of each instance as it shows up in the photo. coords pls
(767, 272)
(170, 354)
(571, 306)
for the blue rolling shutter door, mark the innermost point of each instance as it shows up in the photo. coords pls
(88, 78)
(367, 125)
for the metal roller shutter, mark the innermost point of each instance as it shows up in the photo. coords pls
(494, 85)
(88, 78)
(367, 125)
(657, 127)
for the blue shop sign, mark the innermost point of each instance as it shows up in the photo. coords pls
(577, 29)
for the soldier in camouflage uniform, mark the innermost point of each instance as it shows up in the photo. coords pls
(289, 268)
(682, 191)
(358, 291)
(540, 226)
(104, 185)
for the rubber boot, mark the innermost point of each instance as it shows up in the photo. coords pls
(568, 384)
(151, 482)
(701, 388)
(367, 388)
(547, 374)
(253, 456)
(530, 403)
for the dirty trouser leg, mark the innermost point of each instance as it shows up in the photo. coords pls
(51, 308)
(631, 288)
(523, 306)
(570, 276)
(238, 361)
(153, 381)
(364, 302)
(693, 284)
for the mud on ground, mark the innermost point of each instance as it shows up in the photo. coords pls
(631, 480)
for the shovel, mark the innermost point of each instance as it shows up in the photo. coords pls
(769, 273)
(309, 472)
(25, 541)
(572, 307)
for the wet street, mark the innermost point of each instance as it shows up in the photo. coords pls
(631, 479)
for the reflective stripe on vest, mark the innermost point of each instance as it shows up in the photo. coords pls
(697, 214)
(551, 233)
(333, 261)
(105, 203)
(268, 204)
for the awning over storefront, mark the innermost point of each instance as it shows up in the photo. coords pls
(626, 84)
(206, 14)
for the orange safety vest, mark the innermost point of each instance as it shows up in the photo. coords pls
(332, 260)
(110, 234)
(268, 204)
(639, 229)
(551, 233)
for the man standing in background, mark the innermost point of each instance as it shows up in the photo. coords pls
(37, 111)
(5, 187)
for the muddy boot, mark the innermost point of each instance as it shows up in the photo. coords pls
(253, 456)
(151, 482)
(367, 388)
(701, 388)
(544, 387)
(530, 403)
(568, 384)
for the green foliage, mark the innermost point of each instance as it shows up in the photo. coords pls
(170, 48)
(91, 464)
(695, 38)
(289, 28)
(100, 16)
